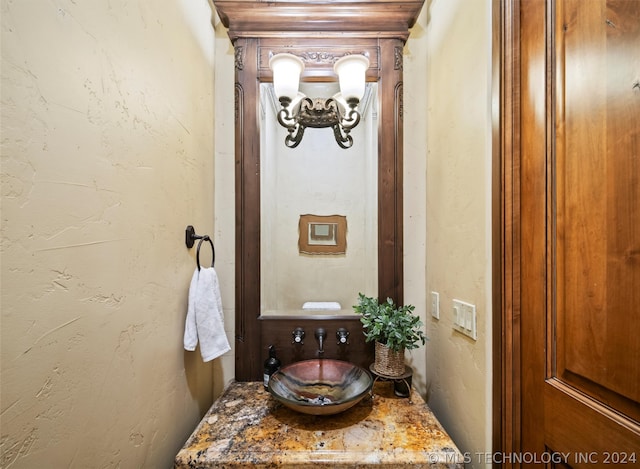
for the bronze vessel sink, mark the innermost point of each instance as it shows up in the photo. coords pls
(320, 386)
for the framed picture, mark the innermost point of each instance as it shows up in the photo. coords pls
(318, 234)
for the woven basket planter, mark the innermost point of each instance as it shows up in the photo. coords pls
(388, 362)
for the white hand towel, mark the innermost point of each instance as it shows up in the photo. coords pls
(205, 320)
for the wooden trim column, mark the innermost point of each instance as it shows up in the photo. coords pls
(390, 188)
(247, 159)
(506, 319)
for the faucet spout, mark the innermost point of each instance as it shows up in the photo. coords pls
(320, 334)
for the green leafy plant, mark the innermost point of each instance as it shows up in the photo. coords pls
(395, 326)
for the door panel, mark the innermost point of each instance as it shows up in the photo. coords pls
(579, 226)
(597, 204)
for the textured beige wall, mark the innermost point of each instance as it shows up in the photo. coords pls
(458, 83)
(414, 176)
(224, 189)
(107, 145)
(106, 157)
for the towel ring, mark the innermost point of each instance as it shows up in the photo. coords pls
(190, 238)
(213, 251)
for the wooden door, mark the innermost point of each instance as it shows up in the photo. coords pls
(575, 206)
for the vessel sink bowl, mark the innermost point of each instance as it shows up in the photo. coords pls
(320, 386)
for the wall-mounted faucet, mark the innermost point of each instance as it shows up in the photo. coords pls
(320, 334)
(343, 336)
(298, 336)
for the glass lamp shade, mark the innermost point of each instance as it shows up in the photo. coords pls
(342, 103)
(351, 70)
(286, 74)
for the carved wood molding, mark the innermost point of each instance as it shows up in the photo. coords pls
(374, 18)
(239, 57)
(397, 54)
(318, 58)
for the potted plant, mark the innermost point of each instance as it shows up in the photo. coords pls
(393, 328)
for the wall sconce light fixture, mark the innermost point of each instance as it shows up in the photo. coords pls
(338, 112)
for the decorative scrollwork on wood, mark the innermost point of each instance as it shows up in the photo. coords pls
(397, 62)
(239, 57)
(319, 57)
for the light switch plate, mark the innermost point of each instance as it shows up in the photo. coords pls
(464, 318)
(435, 304)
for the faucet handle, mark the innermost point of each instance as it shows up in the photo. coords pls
(343, 336)
(298, 336)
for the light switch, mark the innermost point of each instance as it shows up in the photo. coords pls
(464, 318)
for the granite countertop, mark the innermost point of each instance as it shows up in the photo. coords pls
(247, 427)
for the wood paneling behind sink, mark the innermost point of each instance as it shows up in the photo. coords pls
(277, 331)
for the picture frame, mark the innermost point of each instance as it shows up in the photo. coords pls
(322, 234)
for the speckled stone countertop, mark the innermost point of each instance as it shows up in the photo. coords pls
(247, 427)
